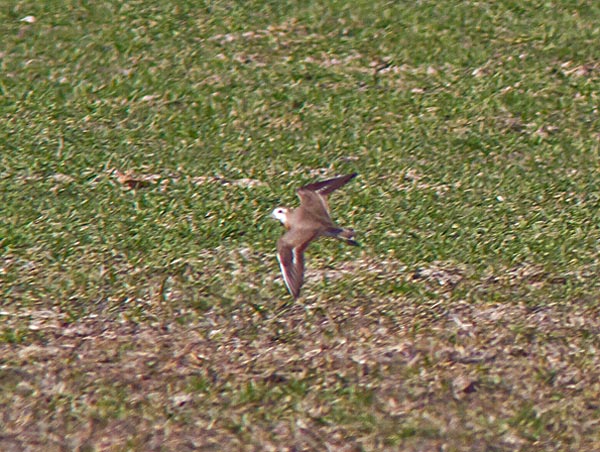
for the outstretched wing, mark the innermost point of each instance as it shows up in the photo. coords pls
(327, 186)
(314, 196)
(290, 254)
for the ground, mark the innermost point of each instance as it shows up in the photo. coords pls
(144, 145)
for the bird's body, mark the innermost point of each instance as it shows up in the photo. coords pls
(305, 224)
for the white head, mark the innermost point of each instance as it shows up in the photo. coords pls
(280, 213)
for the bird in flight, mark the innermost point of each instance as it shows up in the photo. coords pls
(304, 224)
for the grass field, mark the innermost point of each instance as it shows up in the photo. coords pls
(143, 145)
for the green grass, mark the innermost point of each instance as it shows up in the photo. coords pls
(146, 312)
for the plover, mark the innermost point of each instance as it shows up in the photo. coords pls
(304, 224)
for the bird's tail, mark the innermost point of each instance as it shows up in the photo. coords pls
(345, 234)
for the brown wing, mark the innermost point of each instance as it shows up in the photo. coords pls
(327, 186)
(313, 208)
(313, 197)
(290, 254)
